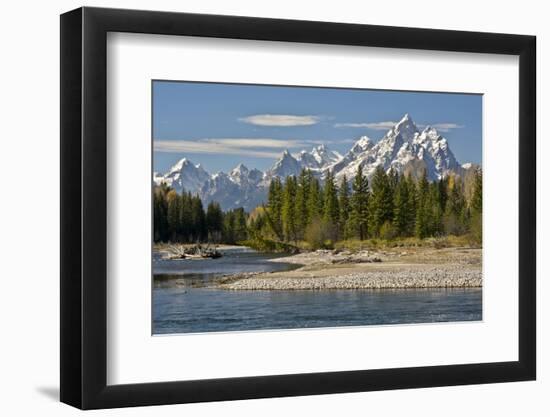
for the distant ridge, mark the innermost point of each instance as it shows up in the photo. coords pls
(404, 148)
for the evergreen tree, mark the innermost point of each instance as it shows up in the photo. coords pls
(477, 196)
(240, 229)
(422, 224)
(435, 227)
(345, 208)
(289, 209)
(403, 214)
(393, 180)
(359, 205)
(476, 221)
(314, 201)
(214, 221)
(331, 210)
(235, 229)
(160, 217)
(229, 227)
(411, 187)
(275, 206)
(455, 212)
(443, 184)
(173, 201)
(185, 225)
(302, 195)
(199, 219)
(380, 202)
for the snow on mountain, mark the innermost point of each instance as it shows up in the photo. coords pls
(307, 160)
(243, 176)
(439, 158)
(324, 156)
(221, 188)
(184, 175)
(404, 148)
(363, 144)
(285, 166)
(240, 188)
(319, 158)
(384, 152)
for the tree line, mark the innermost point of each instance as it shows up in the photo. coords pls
(182, 218)
(302, 208)
(390, 206)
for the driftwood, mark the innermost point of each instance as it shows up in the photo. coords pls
(176, 252)
(194, 252)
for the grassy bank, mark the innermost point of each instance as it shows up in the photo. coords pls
(451, 241)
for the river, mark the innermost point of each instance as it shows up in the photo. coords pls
(183, 302)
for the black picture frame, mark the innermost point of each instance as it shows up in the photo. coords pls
(84, 207)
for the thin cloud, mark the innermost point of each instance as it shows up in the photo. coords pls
(374, 125)
(331, 142)
(255, 142)
(443, 127)
(280, 120)
(255, 147)
(386, 125)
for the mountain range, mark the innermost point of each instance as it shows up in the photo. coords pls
(404, 148)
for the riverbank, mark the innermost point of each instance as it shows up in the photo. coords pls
(175, 251)
(368, 269)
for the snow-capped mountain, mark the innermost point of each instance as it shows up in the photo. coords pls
(240, 188)
(324, 157)
(243, 176)
(285, 166)
(184, 175)
(317, 160)
(404, 148)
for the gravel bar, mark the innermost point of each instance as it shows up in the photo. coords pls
(449, 277)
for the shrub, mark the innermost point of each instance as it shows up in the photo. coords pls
(388, 231)
(316, 235)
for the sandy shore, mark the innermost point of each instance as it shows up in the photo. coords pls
(399, 268)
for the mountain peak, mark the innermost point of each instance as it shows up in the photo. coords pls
(405, 122)
(184, 164)
(323, 156)
(184, 175)
(403, 131)
(286, 165)
(403, 147)
(363, 144)
(240, 167)
(431, 133)
(180, 164)
(364, 141)
(239, 170)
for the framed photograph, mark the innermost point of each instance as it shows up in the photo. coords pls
(257, 208)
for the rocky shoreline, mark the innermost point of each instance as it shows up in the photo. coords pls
(328, 270)
(430, 278)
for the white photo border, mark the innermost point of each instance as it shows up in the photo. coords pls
(134, 356)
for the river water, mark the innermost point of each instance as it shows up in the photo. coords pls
(183, 302)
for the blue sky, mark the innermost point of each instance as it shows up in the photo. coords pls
(221, 125)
